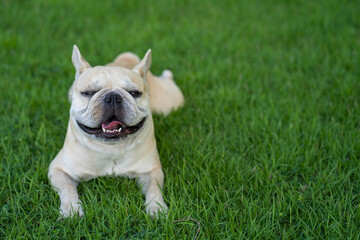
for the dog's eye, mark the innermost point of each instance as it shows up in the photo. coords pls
(88, 93)
(135, 94)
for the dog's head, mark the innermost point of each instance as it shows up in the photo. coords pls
(110, 103)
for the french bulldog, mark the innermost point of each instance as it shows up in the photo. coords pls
(111, 130)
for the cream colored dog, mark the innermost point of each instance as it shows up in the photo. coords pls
(111, 130)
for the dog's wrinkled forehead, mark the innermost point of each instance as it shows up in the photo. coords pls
(101, 77)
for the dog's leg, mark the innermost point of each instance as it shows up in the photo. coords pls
(66, 187)
(152, 184)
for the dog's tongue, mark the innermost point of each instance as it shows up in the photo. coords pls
(112, 125)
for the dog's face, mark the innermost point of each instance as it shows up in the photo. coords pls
(110, 104)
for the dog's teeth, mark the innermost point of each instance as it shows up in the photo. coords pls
(111, 131)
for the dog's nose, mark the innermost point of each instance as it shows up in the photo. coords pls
(112, 99)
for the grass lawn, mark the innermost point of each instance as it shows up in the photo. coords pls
(266, 147)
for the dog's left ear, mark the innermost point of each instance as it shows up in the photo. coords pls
(79, 62)
(144, 65)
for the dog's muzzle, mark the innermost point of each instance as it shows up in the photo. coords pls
(112, 129)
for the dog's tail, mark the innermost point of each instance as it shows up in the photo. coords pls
(165, 95)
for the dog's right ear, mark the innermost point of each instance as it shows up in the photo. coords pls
(79, 62)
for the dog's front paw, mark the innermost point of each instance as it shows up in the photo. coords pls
(71, 210)
(154, 208)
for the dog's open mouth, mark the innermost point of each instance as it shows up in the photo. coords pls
(112, 128)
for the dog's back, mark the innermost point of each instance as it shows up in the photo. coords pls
(165, 95)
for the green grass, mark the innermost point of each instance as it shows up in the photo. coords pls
(266, 147)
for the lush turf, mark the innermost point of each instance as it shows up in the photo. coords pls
(267, 145)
